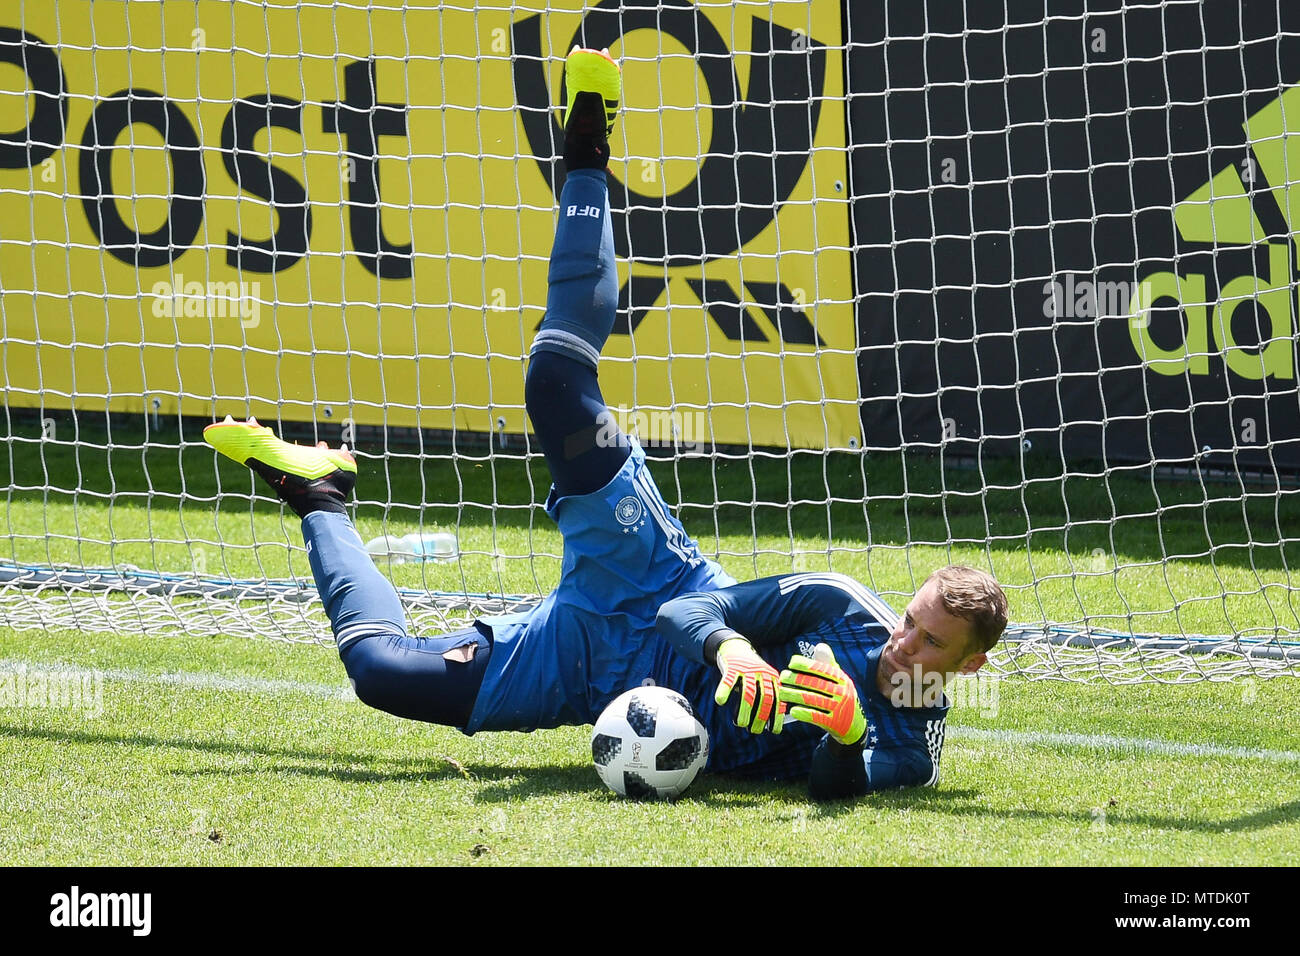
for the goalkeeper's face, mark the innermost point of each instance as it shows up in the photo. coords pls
(927, 645)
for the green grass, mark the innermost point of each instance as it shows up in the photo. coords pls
(1116, 550)
(197, 772)
(169, 774)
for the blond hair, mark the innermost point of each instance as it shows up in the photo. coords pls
(975, 596)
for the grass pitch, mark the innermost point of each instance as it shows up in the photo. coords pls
(231, 750)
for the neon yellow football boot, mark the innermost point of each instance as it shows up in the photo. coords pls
(307, 479)
(593, 86)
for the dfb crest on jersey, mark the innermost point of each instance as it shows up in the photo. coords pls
(628, 510)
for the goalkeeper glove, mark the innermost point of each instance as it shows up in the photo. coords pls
(823, 695)
(738, 661)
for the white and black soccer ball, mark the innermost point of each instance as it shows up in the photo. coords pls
(649, 743)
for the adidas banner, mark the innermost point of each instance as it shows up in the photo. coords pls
(1078, 229)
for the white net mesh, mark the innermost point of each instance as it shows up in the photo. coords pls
(874, 359)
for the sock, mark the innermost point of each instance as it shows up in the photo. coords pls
(303, 496)
(582, 294)
(585, 145)
(357, 597)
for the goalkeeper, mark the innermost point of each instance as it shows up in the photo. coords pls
(801, 675)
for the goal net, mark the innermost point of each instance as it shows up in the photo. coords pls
(901, 285)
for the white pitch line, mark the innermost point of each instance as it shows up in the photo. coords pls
(198, 680)
(1169, 748)
(194, 680)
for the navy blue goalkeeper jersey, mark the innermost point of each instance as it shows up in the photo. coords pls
(635, 604)
(787, 615)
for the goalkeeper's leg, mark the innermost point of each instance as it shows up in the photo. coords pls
(583, 448)
(431, 679)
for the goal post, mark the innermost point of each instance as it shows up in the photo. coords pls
(900, 285)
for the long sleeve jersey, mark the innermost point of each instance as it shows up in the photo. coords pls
(786, 615)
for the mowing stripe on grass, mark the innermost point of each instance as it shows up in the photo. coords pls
(1169, 748)
(195, 680)
(198, 680)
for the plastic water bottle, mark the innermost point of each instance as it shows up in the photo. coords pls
(436, 546)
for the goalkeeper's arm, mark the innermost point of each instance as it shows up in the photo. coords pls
(840, 771)
(765, 611)
(724, 627)
(822, 694)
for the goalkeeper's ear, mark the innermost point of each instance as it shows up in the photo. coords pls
(973, 663)
(976, 657)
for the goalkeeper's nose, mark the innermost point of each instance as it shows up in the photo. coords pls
(908, 643)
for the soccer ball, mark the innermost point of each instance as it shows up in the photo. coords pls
(648, 743)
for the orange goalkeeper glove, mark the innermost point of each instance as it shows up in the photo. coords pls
(739, 662)
(823, 695)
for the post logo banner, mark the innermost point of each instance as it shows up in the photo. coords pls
(321, 212)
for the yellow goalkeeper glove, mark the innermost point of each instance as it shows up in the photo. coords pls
(739, 662)
(823, 695)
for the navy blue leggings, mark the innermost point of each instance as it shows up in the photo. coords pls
(437, 679)
(583, 447)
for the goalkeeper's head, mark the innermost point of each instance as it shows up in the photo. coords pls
(976, 597)
(948, 628)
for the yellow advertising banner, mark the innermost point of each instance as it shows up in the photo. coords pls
(331, 212)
